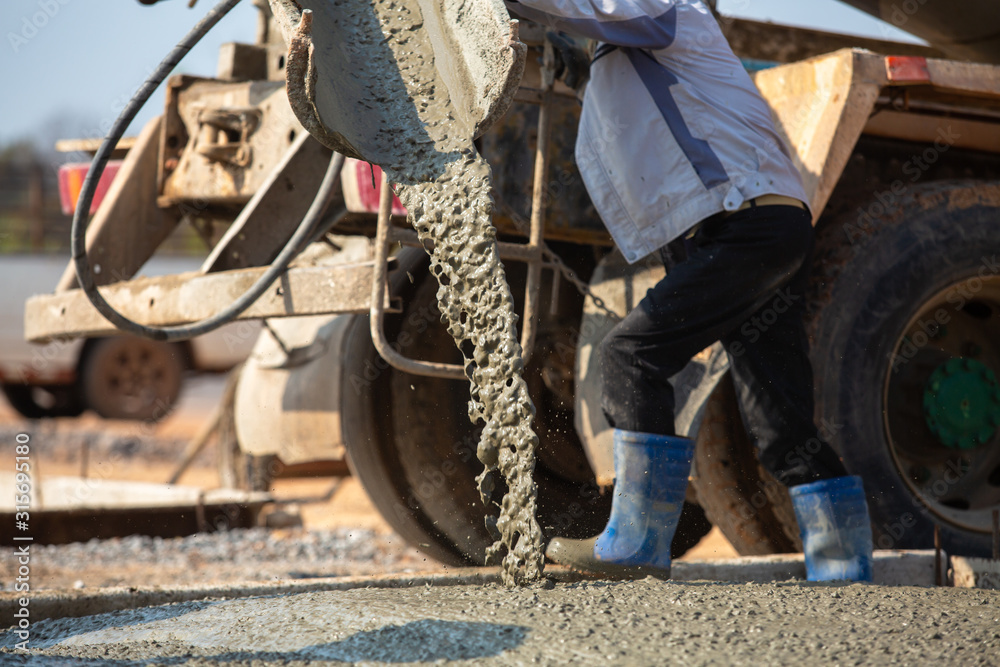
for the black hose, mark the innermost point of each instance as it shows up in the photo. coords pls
(78, 234)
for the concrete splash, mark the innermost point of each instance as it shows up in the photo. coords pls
(380, 84)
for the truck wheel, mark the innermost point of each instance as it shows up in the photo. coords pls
(125, 377)
(237, 469)
(372, 456)
(44, 401)
(906, 357)
(418, 459)
(750, 507)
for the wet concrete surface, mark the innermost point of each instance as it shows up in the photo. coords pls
(644, 622)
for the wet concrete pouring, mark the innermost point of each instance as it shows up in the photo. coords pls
(422, 136)
(642, 622)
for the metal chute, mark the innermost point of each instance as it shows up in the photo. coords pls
(967, 30)
(476, 53)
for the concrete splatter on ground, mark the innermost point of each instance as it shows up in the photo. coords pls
(643, 622)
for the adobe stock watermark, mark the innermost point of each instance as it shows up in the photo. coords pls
(32, 24)
(45, 360)
(102, 127)
(23, 496)
(929, 326)
(436, 482)
(419, 321)
(764, 319)
(887, 199)
(900, 14)
(102, 470)
(237, 333)
(799, 456)
(600, 142)
(893, 530)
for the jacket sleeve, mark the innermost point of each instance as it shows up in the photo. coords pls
(643, 24)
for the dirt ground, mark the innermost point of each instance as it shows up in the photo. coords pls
(336, 509)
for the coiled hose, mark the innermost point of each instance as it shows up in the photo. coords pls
(78, 234)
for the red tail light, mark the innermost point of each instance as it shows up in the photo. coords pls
(360, 194)
(907, 69)
(71, 182)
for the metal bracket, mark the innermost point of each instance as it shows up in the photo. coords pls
(224, 134)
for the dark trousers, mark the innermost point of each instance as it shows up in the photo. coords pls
(743, 282)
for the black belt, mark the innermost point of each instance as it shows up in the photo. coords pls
(602, 50)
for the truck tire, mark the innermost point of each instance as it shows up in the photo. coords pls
(906, 355)
(415, 452)
(236, 468)
(42, 402)
(125, 377)
(371, 453)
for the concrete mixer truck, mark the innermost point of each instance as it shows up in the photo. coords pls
(899, 148)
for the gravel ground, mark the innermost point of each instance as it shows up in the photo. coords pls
(646, 622)
(331, 544)
(227, 557)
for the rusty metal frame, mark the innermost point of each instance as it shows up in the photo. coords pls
(188, 297)
(530, 253)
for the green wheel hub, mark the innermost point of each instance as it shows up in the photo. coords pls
(962, 403)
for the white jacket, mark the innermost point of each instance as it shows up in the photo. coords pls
(673, 129)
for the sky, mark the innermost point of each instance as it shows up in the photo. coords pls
(68, 66)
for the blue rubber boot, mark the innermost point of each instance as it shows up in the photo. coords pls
(835, 528)
(651, 479)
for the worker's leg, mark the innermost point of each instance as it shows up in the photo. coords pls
(770, 368)
(768, 355)
(734, 268)
(744, 279)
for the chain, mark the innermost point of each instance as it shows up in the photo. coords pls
(581, 286)
(567, 272)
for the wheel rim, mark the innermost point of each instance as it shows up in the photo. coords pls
(131, 378)
(942, 403)
(962, 404)
(136, 376)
